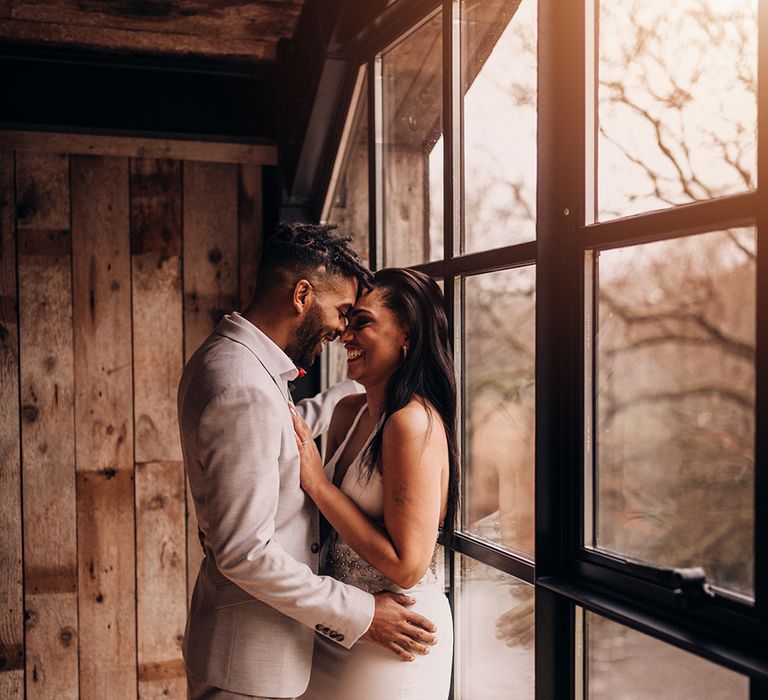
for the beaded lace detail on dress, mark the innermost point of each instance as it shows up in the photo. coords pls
(344, 564)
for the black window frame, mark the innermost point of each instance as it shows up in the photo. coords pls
(568, 576)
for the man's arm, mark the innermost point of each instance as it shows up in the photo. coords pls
(317, 411)
(239, 447)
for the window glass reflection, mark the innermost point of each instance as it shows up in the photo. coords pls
(499, 336)
(350, 203)
(412, 148)
(495, 634)
(677, 102)
(675, 398)
(626, 664)
(498, 63)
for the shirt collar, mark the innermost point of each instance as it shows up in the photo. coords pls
(277, 363)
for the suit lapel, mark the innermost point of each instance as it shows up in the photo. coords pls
(274, 361)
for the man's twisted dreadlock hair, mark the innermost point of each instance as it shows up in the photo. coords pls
(299, 249)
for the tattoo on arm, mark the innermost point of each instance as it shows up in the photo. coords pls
(400, 495)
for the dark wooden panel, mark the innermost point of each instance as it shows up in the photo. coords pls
(11, 591)
(210, 276)
(210, 248)
(126, 40)
(157, 306)
(161, 578)
(47, 426)
(89, 92)
(103, 420)
(79, 144)
(225, 19)
(155, 207)
(249, 231)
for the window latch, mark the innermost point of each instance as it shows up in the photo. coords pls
(688, 586)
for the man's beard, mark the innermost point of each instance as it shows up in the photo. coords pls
(308, 335)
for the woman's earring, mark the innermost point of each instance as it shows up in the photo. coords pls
(405, 352)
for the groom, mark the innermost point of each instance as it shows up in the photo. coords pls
(258, 600)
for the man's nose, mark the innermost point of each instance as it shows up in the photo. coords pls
(341, 327)
(345, 335)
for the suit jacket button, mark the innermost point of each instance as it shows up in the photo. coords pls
(315, 548)
(340, 638)
(326, 630)
(319, 628)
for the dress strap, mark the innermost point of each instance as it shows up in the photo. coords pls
(330, 465)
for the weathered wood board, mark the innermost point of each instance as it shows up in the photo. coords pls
(47, 425)
(210, 276)
(104, 426)
(11, 586)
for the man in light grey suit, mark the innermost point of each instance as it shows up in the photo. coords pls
(258, 600)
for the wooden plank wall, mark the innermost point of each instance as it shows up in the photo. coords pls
(112, 271)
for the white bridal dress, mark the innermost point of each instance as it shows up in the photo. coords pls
(369, 671)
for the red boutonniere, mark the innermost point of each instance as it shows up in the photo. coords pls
(302, 372)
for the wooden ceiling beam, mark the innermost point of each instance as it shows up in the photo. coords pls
(127, 40)
(144, 147)
(223, 19)
(239, 29)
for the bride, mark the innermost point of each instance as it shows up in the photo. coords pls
(391, 480)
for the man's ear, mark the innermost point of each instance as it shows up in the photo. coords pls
(303, 295)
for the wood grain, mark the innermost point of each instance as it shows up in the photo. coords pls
(210, 277)
(47, 426)
(161, 578)
(103, 421)
(132, 147)
(249, 211)
(11, 587)
(155, 207)
(157, 306)
(128, 40)
(210, 248)
(224, 19)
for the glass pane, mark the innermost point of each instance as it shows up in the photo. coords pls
(626, 664)
(412, 148)
(498, 62)
(675, 399)
(494, 634)
(677, 102)
(349, 205)
(499, 336)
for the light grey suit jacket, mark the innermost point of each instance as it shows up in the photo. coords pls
(257, 600)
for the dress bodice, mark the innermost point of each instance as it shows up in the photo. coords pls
(367, 491)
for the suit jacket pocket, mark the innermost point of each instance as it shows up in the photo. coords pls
(228, 593)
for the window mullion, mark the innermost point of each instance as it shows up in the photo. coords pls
(452, 201)
(559, 346)
(761, 345)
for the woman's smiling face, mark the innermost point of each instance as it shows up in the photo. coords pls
(374, 340)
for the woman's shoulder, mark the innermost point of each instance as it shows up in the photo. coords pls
(416, 419)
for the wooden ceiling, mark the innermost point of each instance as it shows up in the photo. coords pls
(234, 29)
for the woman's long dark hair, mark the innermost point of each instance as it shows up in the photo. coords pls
(427, 371)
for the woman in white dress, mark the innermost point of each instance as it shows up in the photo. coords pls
(390, 482)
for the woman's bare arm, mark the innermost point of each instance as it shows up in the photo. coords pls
(414, 466)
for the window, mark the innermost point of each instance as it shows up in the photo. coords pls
(582, 178)
(622, 663)
(410, 121)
